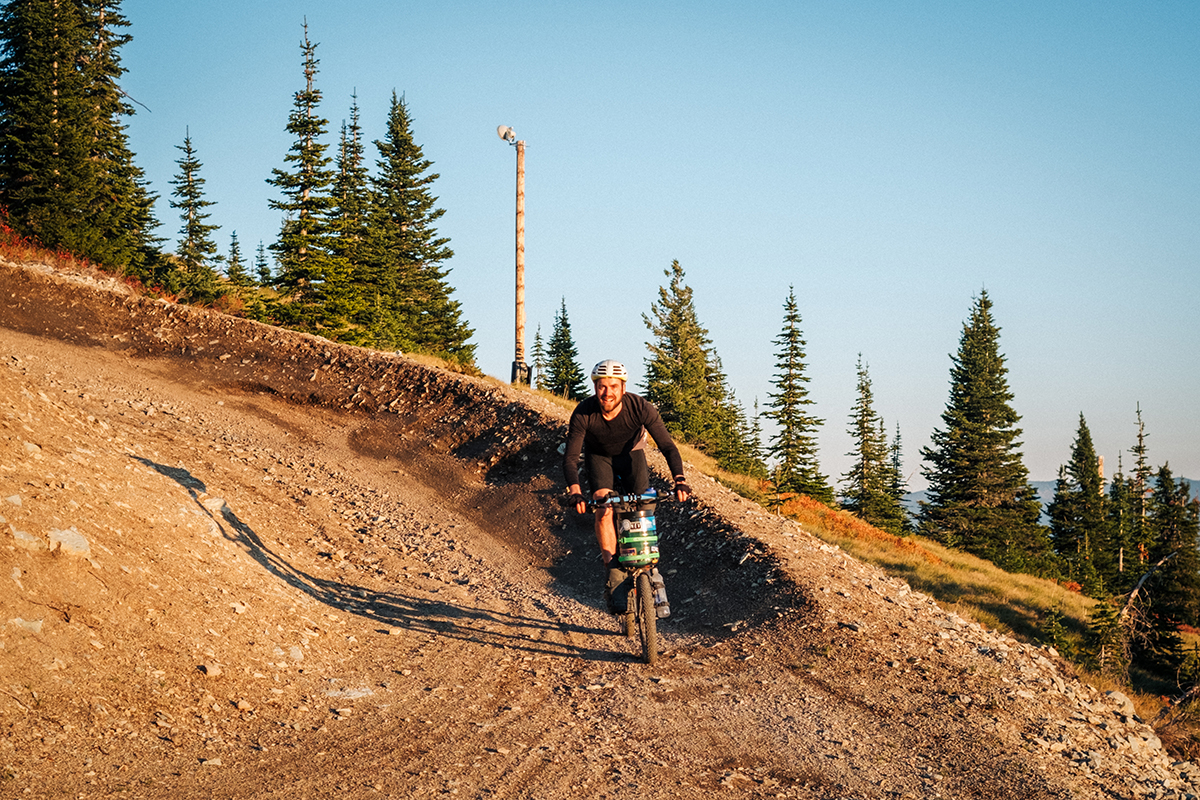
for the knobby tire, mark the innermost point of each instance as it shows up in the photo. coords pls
(647, 619)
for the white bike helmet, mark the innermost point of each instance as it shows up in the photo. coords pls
(610, 369)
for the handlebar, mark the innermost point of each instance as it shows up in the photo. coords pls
(649, 497)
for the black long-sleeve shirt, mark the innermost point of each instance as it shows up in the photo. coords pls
(589, 431)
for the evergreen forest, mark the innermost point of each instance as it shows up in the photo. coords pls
(358, 257)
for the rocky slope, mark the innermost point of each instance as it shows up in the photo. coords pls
(243, 562)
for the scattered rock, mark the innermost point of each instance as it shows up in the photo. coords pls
(210, 669)
(350, 694)
(71, 542)
(27, 541)
(1124, 704)
(216, 505)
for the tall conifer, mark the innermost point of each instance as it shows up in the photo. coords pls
(1174, 590)
(685, 379)
(262, 266)
(67, 176)
(794, 444)
(677, 370)
(235, 268)
(351, 191)
(48, 182)
(403, 258)
(538, 364)
(980, 499)
(867, 489)
(123, 211)
(310, 277)
(564, 377)
(1078, 525)
(1120, 527)
(1141, 532)
(348, 232)
(196, 250)
(897, 483)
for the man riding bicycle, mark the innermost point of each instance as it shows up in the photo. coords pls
(609, 429)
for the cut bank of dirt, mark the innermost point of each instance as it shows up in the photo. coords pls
(285, 567)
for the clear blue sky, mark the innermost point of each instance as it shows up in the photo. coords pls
(887, 159)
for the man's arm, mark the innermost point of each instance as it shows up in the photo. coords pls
(575, 432)
(666, 445)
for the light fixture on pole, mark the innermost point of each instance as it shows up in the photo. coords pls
(520, 370)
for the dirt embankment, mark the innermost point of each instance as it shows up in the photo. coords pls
(244, 562)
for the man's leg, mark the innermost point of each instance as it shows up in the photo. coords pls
(606, 530)
(600, 476)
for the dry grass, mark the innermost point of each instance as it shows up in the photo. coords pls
(970, 586)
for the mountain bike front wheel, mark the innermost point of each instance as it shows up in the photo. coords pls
(647, 619)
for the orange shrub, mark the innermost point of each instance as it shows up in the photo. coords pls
(22, 249)
(842, 523)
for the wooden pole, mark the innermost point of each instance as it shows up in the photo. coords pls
(520, 370)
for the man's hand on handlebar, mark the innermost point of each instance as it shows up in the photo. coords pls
(682, 490)
(576, 497)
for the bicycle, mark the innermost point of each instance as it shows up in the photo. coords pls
(637, 554)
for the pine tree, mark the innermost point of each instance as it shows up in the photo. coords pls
(309, 273)
(351, 191)
(123, 211)
(730, 441)
(351, 197)
(48, 182)
(756, 440)
(1175, 589)
(677, 371)
(196, 248)
(564, 377)
(897, 484)
(794, 445)
(685, 379)
(539, 360)
(1120, 515)
(262, 267)
(867, 487)
(67, 176)
(865, 481)
(403, 257)
(980, 499)
(1141, 534)
(235, 269)
(1077, 517)
(1108, 642)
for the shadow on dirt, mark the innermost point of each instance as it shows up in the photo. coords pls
(718, 579)
(391, 609)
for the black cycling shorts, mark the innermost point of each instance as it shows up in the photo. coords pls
(623, 474)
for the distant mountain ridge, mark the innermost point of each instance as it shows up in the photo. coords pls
(1045, 490)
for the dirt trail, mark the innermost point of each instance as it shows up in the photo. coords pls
(294, 569)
